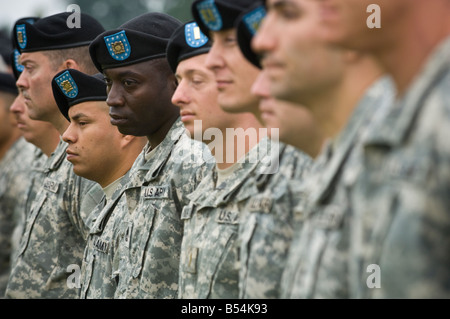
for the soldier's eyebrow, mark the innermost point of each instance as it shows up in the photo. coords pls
(122, 74)
(77, 116)
(190, 72)
(25, 61)
(279, 4)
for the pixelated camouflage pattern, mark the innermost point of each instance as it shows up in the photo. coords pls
(210, 258)
(33, 176)
(317, 264)
(266, 229)
(14, 174)
(97, 282)
(53, 234)
(400, 193)
(143, 232)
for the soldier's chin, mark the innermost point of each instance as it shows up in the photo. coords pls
(127, 130)
(81, 172)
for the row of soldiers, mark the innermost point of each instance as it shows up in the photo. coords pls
(265, 149)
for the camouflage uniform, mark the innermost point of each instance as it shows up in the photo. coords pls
(266, 228)
(317, 265)
(14, 172)
(209, 266)
(53, 234)
(400, 193)
(97, 282)
(136, 245)
(34, 174)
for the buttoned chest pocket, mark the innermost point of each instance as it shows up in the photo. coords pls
(143, 228)
(220, 260)
(30, 223)
(328, 241)
(157, 251)
(122, 256)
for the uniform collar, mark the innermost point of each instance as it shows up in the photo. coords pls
(150, 170)
(395, 125)
(206, 195)
(334, 155)
(57, 157)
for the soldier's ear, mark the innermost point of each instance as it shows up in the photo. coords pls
(71, 64)
(352, 56)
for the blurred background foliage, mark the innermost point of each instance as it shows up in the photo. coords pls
(110, 13)
(113, 13)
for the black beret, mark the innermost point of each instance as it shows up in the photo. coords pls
(15, 54)
(217, 15)
(247, 25)
(8, 83)
(71, 87)
(140, 39)
(5, 47)
(53, 33)
(187, 41)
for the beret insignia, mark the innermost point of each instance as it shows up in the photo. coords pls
(67, 85)
(210, 15)
(21, 36)
(194, 37)
(118, 46)
(254, 18)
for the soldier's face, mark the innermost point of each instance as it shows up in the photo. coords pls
(139, 97)
(233, 73)
(33, 131)
(347, 22)
(7, 121)
(294, 53)
(94, 144)
(290, 123)
(196, 96)
(35, 83)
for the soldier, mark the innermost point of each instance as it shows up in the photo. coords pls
(267, 227)
(399, 191)
(211, 263)
(45, 137)
(196, 93)
(97, 150)
(295, 124)
(136, 251)
(41, 134)
(15, 159)
(53, 236)
(342, 90)
(209, 266)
